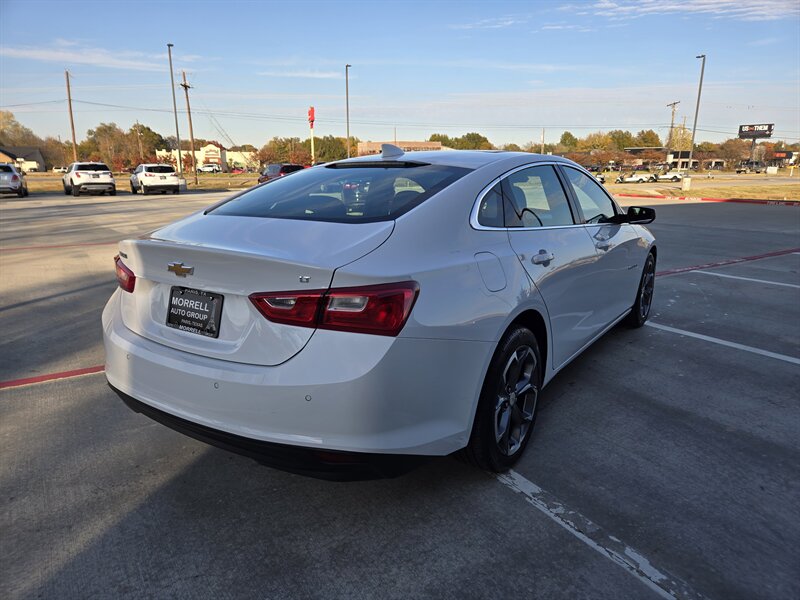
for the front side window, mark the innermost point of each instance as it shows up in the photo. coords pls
(534, 198)
(360, 192)
(597, 207)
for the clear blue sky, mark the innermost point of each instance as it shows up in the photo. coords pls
(503, 68)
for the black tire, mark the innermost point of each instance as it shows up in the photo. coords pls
(640, 311)
(112, 191)
(133, 189)
(21, 192)
(176, 191)
(516, 363)
(76, 190)
(66, 189)
(143, 189)
(676, 179)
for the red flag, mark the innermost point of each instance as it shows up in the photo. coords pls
(311, 116)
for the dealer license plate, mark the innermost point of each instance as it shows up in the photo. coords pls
(163, 177)
(196, 311)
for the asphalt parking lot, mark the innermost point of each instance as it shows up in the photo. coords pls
(665, 463)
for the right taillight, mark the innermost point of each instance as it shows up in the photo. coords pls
(377, 309)
(125, 277)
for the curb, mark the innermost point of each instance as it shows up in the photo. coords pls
(736, 200)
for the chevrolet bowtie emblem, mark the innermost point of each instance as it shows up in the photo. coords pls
(179, 269)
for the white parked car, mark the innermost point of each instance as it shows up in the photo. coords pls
(12, 180)
(88, 177)
(209, 168)
(152, 178)
(59, 169)
(327, 337)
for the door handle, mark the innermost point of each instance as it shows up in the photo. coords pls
(605, 245)
(542, 258)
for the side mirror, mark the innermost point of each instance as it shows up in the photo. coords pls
(640, 215)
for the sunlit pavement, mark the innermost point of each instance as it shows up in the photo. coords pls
(665, 462)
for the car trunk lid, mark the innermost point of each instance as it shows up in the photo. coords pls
(225, 259)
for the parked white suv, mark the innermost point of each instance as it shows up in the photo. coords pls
(89, 177)
(155, 178)
(210, 168)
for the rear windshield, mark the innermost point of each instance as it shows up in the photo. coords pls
(92, 167)
(160, 169)
(291, 168)
(345, 193)
(6, 169)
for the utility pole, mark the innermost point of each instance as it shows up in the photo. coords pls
(674, 106)
(347, 103)
(175, 111)
(542, 152)
(186, 87)
(71, 120)
(139, 139)
(697, 107)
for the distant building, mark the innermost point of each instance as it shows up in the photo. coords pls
(27, 158)
(367, 148)
(214, 155)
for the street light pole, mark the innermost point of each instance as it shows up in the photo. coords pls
(347, 103)
(696, 110)
(175, 111)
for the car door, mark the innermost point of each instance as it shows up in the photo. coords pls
(555, 251)
(620, 250)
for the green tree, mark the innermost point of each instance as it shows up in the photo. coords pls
(648, 139)
(512, 148)
(444, 139)
(473, 141)
(568, 141)
(621, 139)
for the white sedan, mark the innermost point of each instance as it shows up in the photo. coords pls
(641, 177)
(668, 176)
(350, 339)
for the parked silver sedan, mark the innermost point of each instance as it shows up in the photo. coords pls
(343, 339)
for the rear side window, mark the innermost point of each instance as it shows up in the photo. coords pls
(6, 169)
(91, 167)
(597, 207)
(345, 193)
(286, 169)
(160, 169)
(534, 198)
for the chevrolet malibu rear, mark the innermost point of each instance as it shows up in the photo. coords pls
(339, 337)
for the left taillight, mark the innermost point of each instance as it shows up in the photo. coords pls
(378, 309)
(125, 277)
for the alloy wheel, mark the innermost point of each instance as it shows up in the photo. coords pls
(516, 401)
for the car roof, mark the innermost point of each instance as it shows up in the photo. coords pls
(156, 165)
(471, 159)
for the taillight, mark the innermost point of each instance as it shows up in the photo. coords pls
(377, 309)
(125, 277)
(77, 174)
(149, 175)
(15, 177)
(289, 308)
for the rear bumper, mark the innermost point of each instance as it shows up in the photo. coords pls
(322, 464)
(345, 392)
(94, 187)
(162, 187)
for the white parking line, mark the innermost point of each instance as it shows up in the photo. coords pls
(791, 285)
(713, 340)
(662, 583)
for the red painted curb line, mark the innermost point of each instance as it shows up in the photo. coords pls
(723, 263)
(13, 248)
(51, 377)
(737, 200)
